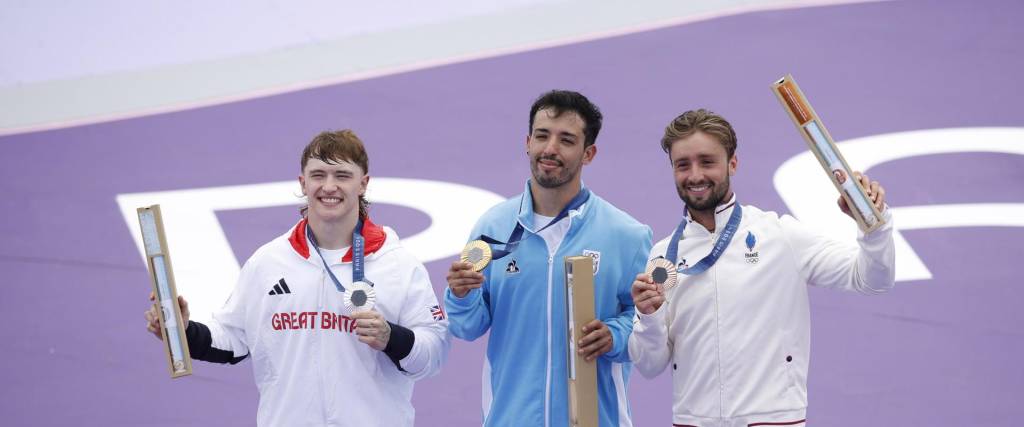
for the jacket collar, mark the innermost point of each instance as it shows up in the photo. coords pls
(722, 214)
(526, 208)
(373, 233)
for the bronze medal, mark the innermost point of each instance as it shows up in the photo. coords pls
(663, 272)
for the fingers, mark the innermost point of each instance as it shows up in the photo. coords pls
(643, 282)
(368, 322)
(153, 321)
(593, 325)
(183, 307)
(878, 195)
(369, 327)
(649, 306)
(372, 329)
(597, 340)
(462, 278)
(647, 295)
(874, 190)
(844, 207)
(459, 266)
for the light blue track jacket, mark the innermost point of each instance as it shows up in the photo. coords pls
(523, 305)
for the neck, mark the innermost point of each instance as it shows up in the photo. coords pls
(332, 235)
(551, 201)
(706, 217)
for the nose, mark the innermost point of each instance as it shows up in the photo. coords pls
(696, 174)
(330, 184)
(550, 148)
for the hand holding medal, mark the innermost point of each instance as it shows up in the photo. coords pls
(477, 253)
(464, 275)
(372, 328)
(649, 288)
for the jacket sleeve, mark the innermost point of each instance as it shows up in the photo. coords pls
(470, 316)
(427, 328)
(650, 348)
(868, 267)
(621, 325)
(222, 339)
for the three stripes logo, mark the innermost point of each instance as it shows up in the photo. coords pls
(280, 288)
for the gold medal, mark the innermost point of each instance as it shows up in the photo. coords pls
(477, 253)
(663, 272)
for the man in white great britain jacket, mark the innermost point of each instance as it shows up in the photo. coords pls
(317, 359)
(736, 328)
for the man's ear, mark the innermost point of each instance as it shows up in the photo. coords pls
(589, 153)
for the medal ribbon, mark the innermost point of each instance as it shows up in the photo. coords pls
(517, 233)
(358, 243)
(720, 245)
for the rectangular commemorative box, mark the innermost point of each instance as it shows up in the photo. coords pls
(579, 289)
(820, 142)
(158, 261)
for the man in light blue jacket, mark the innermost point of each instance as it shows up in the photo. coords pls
(520, 295)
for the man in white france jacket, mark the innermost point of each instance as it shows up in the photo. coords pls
(736, 327)
(520, 299)
(317, 361)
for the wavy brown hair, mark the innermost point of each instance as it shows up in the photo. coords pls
(690, 122)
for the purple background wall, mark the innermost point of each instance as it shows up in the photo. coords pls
(944, 351)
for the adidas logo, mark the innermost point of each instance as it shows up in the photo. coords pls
(280, 288)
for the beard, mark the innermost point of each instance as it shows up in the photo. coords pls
(717, 193)
(552, 181)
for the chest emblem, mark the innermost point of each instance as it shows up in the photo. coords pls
(280, 288)
(597, 258)
(512, 268)
(682, 264)
(751, 256)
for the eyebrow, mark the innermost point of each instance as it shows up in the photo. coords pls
(545, 130)
(333, 171)
(700, 156)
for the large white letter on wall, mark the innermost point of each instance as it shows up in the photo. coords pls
(811, 197)
(205, 267)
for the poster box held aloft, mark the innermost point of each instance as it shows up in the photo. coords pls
(809, 125)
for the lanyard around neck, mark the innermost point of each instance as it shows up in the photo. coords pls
(723, 242)
(517, 233)
(358, 246)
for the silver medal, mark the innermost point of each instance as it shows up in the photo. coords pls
(359, 296)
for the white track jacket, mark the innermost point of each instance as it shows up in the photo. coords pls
(737, 336)
(310, 368)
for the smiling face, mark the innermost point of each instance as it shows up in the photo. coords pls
(333, 189)
(701, 169)
(556, 148)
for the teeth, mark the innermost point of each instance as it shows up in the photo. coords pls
(699, 187)
(330, 199)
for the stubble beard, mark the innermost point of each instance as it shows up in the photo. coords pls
(718, 193)
(547, 181)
